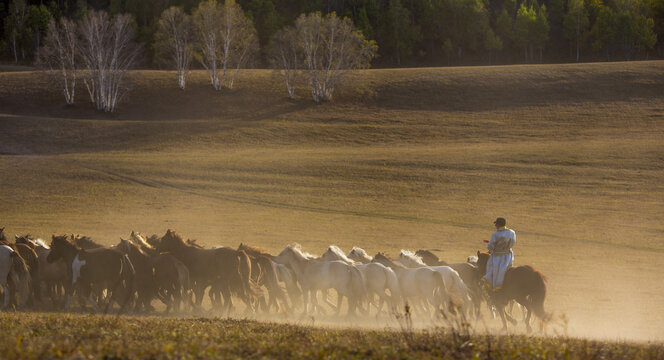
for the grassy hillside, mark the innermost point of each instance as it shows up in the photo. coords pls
(571, 155)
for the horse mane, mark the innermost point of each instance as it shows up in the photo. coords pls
(360, 251)
(422, 253)
(254, 250)
(194, 243)
(132, 247)
(173, 236)
(153, 240)
(27, 239)
(140, 240)
(336, 251)
(41, 243)
(381, 257)
(66, 240)
(297, 248)
(411, 257)
(85, 242)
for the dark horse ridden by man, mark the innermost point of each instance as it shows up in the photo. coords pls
(523, 284)
(94, 269)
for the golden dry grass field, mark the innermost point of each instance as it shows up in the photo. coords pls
(571, 155)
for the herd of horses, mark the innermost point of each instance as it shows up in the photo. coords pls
(178, 272)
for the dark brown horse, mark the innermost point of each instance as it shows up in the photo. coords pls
(143, 281)
(523, 284)
(266, 276)
(171, 278)
(101, 268)
(225, 270)
(158, 275)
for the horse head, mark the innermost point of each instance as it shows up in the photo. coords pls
(171, 241)
(60, 248)
(26, 240)
(2, 234)
(428, 257)
(409, 259)
(482, 260)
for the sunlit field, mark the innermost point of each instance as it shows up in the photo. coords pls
(571, 155)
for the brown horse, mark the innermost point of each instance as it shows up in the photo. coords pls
(101, 268)
(225, 270)
(51, 275)
(523, 284)
(30, 258)
(266, 277)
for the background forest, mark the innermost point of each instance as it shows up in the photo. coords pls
(407, 32)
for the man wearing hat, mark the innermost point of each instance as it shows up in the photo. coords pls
(500, 248)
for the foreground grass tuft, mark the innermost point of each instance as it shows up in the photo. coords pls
(82, 336)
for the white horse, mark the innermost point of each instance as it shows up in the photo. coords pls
(422, 288)
(13, 268)
(378, 279)
(316, 274)
(460, 298)
(359, 255)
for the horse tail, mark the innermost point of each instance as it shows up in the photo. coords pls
(538, 294)
(184, 282)
(270, 275)
(19, 267)
(20, 273)
(244, 269)
(127, 274)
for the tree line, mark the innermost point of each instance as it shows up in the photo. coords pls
(99, 49)
(407, 32)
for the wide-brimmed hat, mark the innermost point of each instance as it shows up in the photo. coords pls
(500, 222)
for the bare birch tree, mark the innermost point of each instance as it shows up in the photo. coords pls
(59, 54)
(174, 40)
(208, 28)
(331, 47)
(108, 51)
(239, 41)
(284, 53)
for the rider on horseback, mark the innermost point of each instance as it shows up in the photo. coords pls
(500, 248)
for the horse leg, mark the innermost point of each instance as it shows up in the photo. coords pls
(340, 298)
(5, 289)
(228, 298)
(501, 311)
(86, 292)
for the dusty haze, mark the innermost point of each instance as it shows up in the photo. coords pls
(571, 155)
